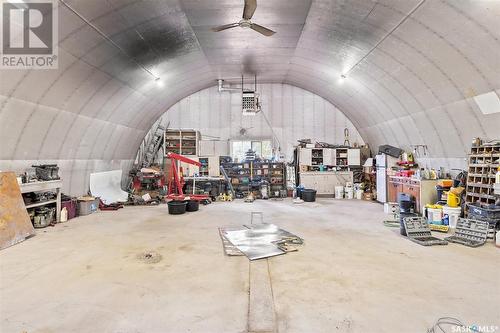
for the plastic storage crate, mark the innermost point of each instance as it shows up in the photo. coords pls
(86, 207)
(487, 213)
(472, 233)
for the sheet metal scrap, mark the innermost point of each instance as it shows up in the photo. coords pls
(15, 224)
(263, 241)
(229, 249)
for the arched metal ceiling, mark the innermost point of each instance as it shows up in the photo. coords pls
(415, 87)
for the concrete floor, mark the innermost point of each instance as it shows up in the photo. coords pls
(352, 275)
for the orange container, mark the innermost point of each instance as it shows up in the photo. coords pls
(445, 182)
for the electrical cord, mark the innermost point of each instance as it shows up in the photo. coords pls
(444, 321)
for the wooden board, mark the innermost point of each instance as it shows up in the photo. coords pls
(15, 224)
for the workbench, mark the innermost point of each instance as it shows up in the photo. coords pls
(45, 186)
(324, 182)
(424, 191)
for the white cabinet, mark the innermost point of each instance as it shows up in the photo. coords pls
(214, 148)
(207, 148)
(324, 182)
(353, 157)
(328, 156)
(189, 169)
(305, 156)
(221, 148)
(213, 166)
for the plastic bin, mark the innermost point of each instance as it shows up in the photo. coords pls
(86, 207)
(70, 207)
(308, 195)
(488, 213)
(192, 205)
(299, 192)
(177, 207)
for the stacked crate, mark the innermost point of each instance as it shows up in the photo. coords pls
(483, 164)
(480, 196)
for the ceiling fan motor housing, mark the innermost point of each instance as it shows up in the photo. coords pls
(245, 23)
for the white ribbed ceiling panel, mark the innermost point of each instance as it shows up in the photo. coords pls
(415, 87)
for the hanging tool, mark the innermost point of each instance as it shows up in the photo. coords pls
(346, 137)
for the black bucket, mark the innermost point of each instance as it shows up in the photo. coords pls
(308, 195)
(192, 205)
(177, 207)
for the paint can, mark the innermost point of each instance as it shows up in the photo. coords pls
(453, 213)
(359, 194)
(339, 192)
(349, 192)
(435, 216)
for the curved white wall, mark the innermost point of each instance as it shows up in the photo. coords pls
(412, 85)
(294, 113)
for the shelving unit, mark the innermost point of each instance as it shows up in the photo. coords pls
(342, 159)
(317, 156)
(483, 164)
(243, 174)
(183, 142)
(204, 166)
(52, 185)
(341, 155)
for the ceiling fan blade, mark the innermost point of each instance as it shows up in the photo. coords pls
(263, 30)
(250, 7)
(225, 27)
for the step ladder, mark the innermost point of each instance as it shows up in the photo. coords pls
(153, 145)
(224, 173)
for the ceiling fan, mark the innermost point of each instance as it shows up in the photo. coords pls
(244, 130)
(250, 7)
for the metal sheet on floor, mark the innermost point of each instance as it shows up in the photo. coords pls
(15, 224)
(259, 241)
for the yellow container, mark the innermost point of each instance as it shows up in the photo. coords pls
(453, 200)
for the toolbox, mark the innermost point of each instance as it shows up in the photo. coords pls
(418, 231)
(470, 232)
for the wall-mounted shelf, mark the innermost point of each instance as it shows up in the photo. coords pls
(52, 185)
(483, 164)
(242, 174)
(183, 142)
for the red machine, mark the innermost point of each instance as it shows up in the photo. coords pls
(176, 179)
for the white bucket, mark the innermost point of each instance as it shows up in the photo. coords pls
(349, 193)
(434, 215)
(339, 192)
(359, 194)
(453, 215)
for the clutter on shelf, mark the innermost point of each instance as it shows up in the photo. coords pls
(464, 202)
